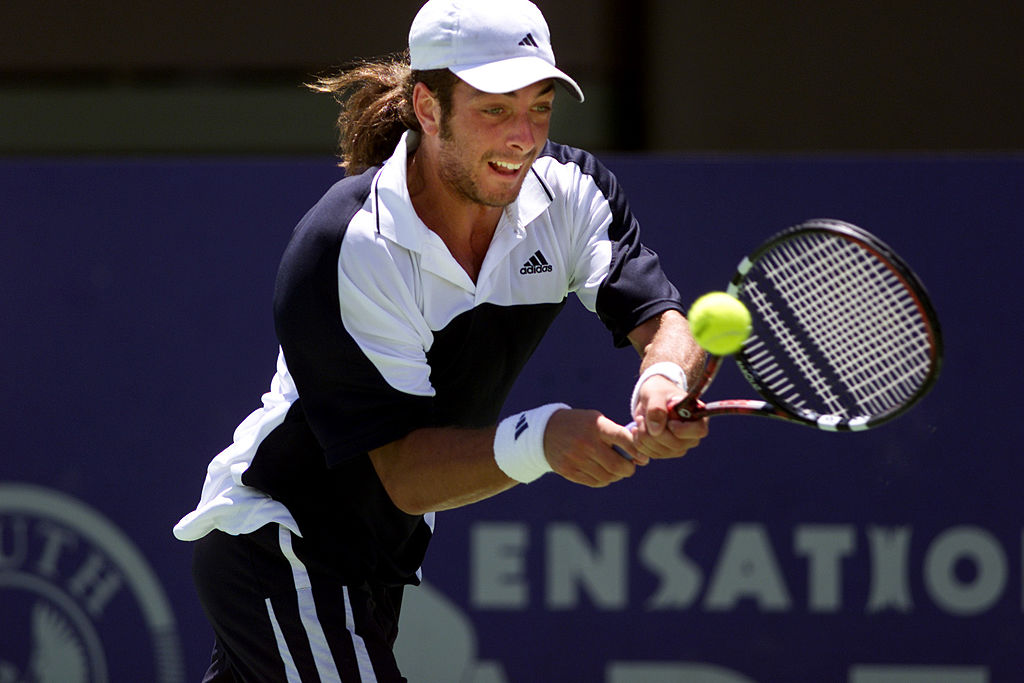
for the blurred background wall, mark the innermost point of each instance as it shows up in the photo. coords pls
(667, 75)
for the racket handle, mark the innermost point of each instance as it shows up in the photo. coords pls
(685, 408)
(689, 406)
(621, 451)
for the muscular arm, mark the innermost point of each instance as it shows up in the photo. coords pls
(442, 468)
(667, 338)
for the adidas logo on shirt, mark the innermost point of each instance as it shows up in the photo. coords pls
(536, 265)
(528, 40)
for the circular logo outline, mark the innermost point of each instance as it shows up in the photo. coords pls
(149, 593)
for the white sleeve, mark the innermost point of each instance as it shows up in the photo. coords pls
(380, 312)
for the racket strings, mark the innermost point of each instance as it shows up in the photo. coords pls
(763, 359)
(846, 322)
(852, 297)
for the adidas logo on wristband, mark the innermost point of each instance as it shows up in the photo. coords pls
(521, 426)
(523, 459)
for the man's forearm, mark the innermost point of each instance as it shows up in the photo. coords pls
(667, 338)
(440, 468)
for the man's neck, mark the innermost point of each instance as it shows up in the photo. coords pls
(466, 227)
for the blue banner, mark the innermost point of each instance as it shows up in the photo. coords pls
(138, 333)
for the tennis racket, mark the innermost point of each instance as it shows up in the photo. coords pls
(844, 336)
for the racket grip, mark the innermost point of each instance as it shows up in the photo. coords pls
(621, 451)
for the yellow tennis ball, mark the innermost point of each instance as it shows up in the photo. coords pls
(719, 322)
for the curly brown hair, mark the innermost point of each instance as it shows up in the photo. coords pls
(376, 106)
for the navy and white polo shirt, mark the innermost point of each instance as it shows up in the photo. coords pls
(382, 332)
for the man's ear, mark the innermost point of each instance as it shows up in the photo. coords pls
(427, 108)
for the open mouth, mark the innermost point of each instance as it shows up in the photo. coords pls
(508, 168)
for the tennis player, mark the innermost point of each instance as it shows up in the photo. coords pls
(407, 302)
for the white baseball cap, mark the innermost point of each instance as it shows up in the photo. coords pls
(496, 46)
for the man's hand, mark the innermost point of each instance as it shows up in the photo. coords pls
(660, 434)
(578, 445)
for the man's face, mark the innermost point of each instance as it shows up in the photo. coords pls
(488, 141)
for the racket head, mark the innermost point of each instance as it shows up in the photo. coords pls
(844, 334)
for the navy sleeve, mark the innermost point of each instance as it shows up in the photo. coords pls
(636, 288)
(348, 405)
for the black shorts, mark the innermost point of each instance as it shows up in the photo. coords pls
(279, 615)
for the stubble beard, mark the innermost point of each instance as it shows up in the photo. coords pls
(458, 175)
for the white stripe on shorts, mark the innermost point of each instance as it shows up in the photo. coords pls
(362, 656)
(322, 656)
(291, 672)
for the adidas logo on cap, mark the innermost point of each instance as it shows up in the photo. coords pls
(528, 40)
(537, 264)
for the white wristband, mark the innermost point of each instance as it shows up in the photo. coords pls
(519, 443)
(666, 369)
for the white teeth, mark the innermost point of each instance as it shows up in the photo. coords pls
(509, 166)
